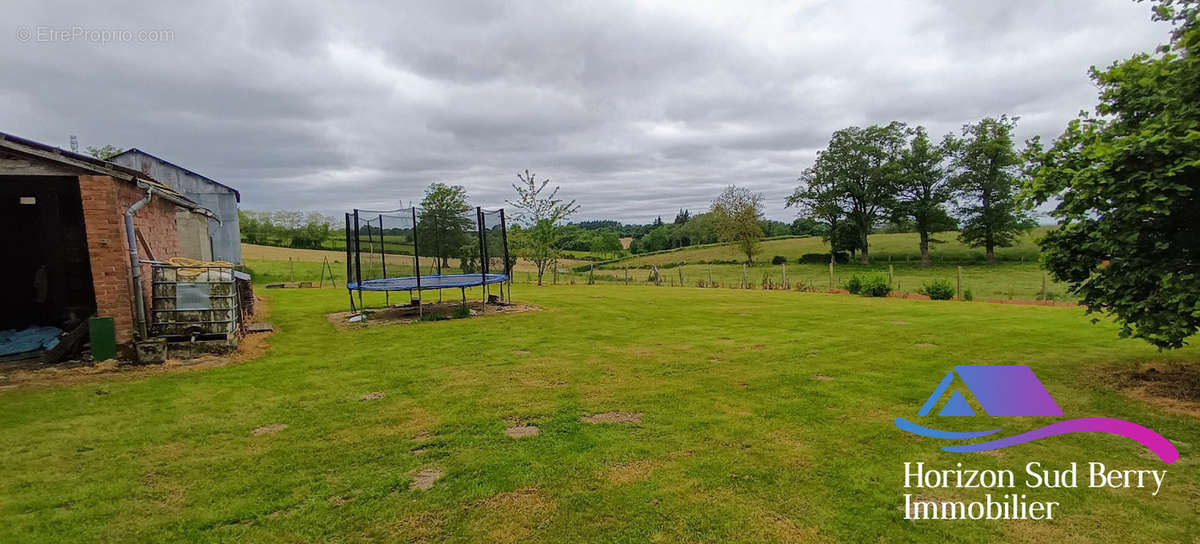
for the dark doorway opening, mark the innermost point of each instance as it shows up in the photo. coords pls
(46, 272)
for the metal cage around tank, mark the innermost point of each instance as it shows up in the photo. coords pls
(414, 250)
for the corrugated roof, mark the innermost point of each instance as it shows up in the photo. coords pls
(236, 194)
(39, 150)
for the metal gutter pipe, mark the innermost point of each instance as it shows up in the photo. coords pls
(135, 274)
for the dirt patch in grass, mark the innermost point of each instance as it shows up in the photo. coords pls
(250, 346)
(268, 429)
(520, 352)
(633, 471)
(1173, 387)
(425, 478)
(925, 345)
(782, 529)
(614, 417)
(522, 431)
(339, 500)
(410, 314)
(823, 378)
(372, 396)
(511, 516)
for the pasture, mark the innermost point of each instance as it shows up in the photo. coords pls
(741, 416)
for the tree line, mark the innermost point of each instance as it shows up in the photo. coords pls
(894, 173)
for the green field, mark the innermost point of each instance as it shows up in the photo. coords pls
(765, 417)
(885, 248)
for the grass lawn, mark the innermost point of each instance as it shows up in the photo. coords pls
(766, 416)
(1005, 280)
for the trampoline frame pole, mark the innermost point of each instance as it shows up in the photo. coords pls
(484, 265)
(482, 253)
(357, 259)
(507, 267)
(417, 263)
(349, 270)
(387, 301)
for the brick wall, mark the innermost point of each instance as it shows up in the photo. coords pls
(104, 203)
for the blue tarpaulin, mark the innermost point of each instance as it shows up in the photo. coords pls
(33, 338)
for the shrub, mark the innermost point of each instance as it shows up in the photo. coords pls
(823, 258)
(938, 290)
(854, 285)
(967, 295)
(778, 259)
(876, 285)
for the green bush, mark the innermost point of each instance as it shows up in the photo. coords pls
(778, 259)
(967, 295)
(854, 284)
(876, 285)
(938, 290)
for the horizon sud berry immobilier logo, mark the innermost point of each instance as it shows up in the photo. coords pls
(1014, 391)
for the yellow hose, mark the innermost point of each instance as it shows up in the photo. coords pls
(185, 262)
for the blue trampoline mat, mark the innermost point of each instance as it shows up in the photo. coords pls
(409, 283)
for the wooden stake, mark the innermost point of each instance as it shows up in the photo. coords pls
(1043, 286)
(785, 282)
(680, 275)
(831, 259)
(958, 286)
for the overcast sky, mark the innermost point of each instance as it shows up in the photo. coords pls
(635, 109)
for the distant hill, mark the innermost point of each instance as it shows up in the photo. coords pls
(896, 247)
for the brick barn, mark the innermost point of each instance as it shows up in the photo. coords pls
(66, 250)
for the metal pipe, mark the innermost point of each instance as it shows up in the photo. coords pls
(135, 273)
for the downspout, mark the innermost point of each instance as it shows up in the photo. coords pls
(135, 274)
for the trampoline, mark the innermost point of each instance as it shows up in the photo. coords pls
(436, 281)
(426, 249)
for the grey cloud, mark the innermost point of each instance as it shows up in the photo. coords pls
(635, 109)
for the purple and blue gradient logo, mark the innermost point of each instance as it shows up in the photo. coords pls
(1014, 391)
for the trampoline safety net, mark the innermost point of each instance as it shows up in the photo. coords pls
(414, 249)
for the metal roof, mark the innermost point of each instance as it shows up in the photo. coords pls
(39, 150)
(236, 194)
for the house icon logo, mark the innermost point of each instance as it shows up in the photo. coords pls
(1015, 391)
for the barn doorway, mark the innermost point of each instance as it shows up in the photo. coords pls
(46, 275)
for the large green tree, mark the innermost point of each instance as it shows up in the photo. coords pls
(445, 226)
(854, 179)
(737, 213)
(923, 189)
(985, 171)
(1125, 181)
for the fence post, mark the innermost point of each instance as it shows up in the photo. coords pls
(710, 283)
(745, 282)
(626, 275)
(680, 269)
(785, 282)
(1043, 286)
(958, 286)
(591, 272)
(891, 273)
(831, 259)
